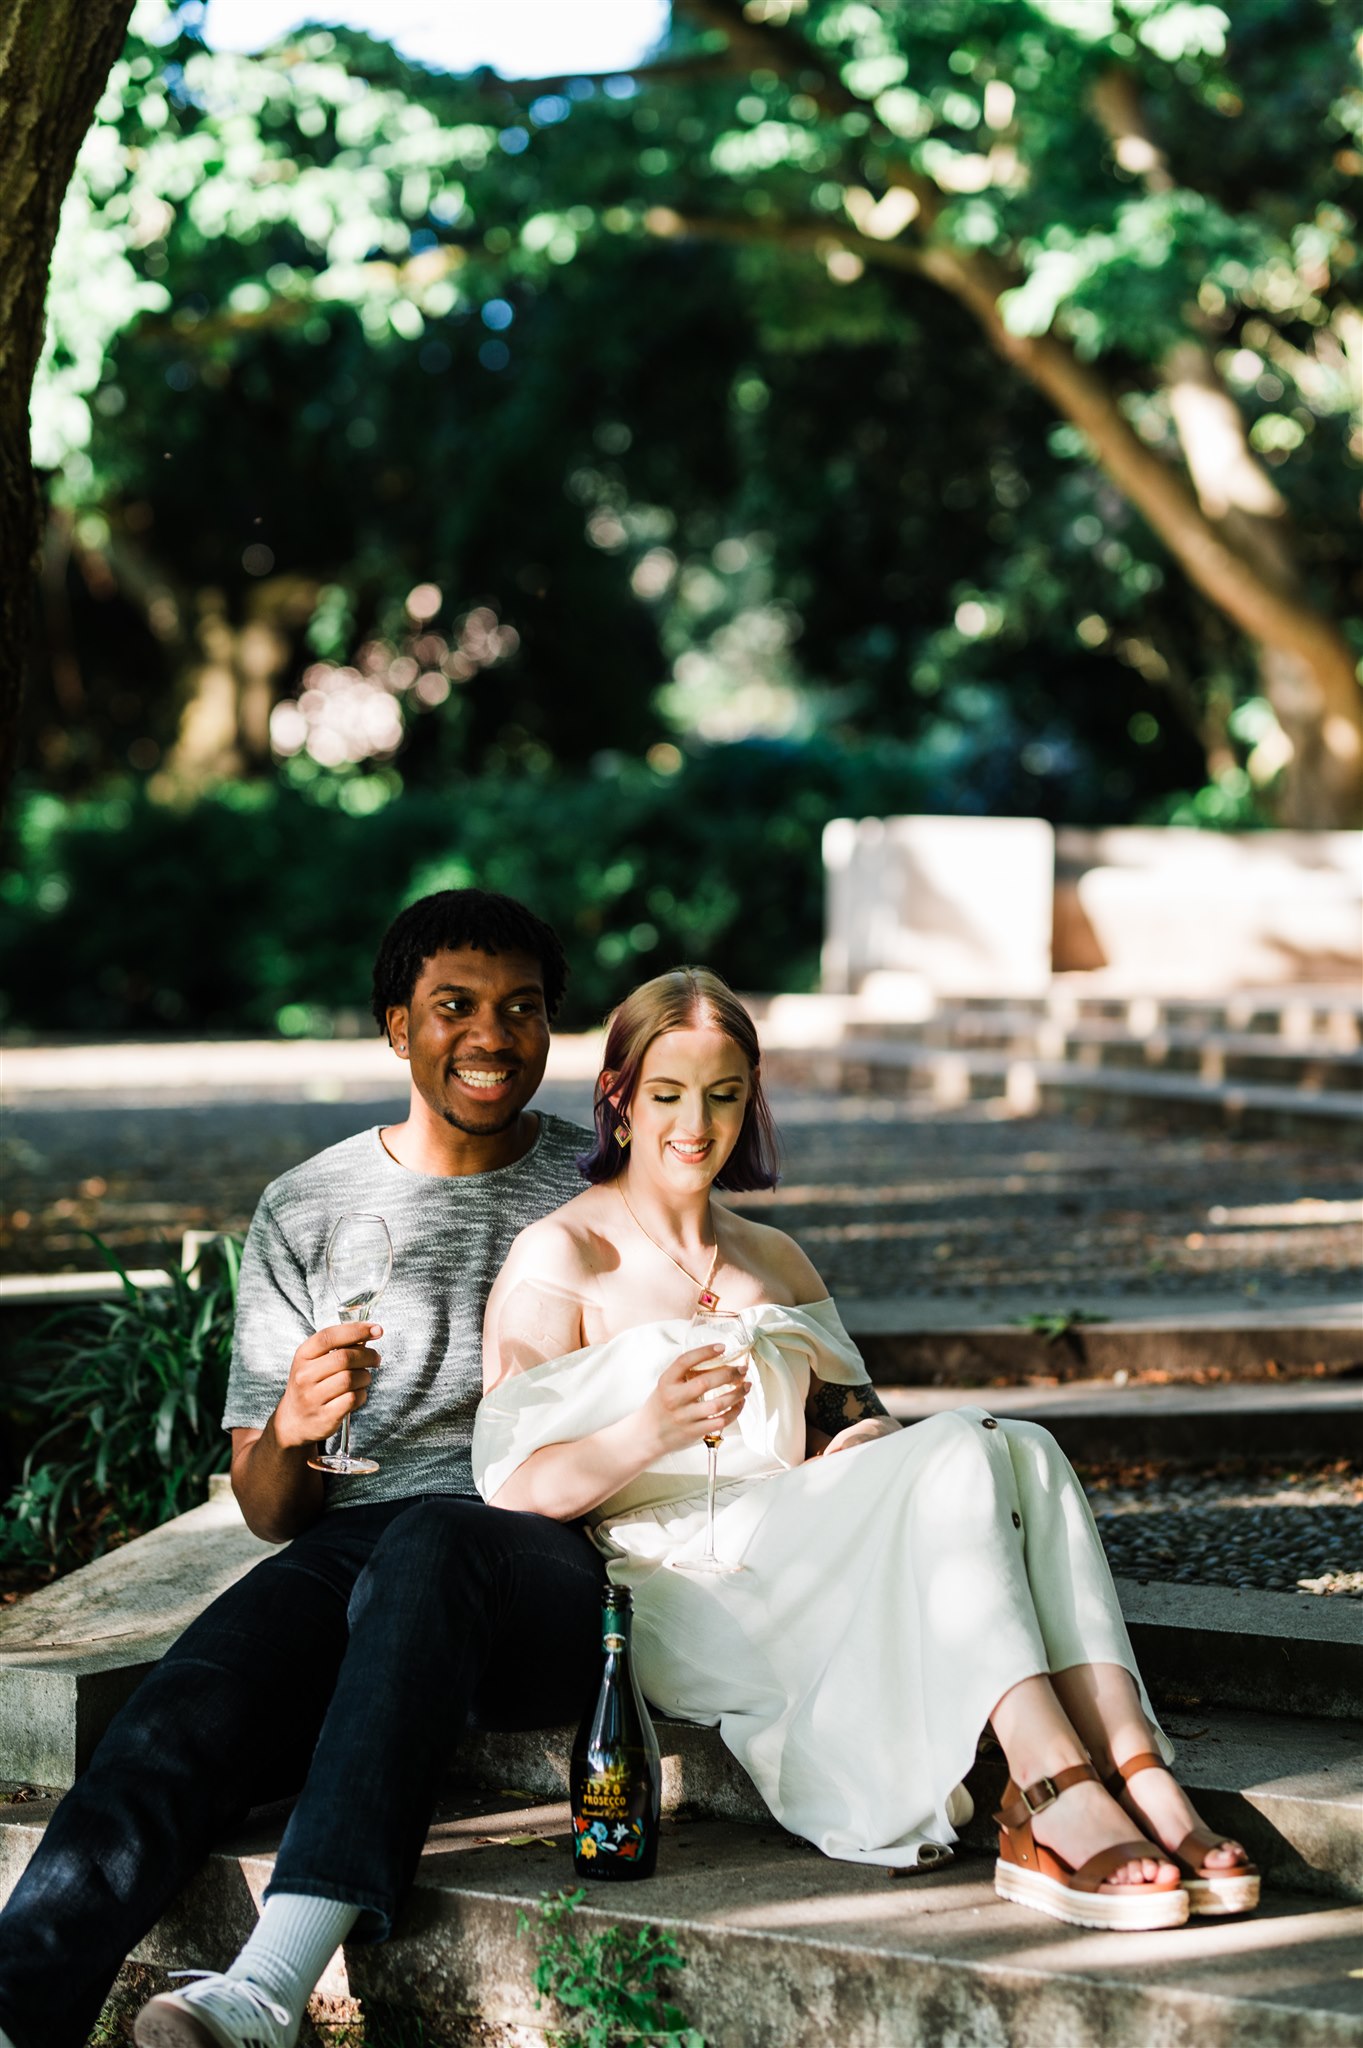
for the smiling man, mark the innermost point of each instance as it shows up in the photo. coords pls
(343, 1667)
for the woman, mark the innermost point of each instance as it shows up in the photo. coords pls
(900, 1587)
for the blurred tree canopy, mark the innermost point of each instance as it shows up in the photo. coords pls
(966, 378)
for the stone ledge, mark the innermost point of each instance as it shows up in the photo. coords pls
(944, 1342)
(785, 1949)
(71, 1653)
(1095, 1423)
(1284, 1653)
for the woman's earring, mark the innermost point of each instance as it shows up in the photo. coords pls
(623, 1134)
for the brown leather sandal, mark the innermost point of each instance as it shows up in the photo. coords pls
(1030, 1874)
(1218, 1888)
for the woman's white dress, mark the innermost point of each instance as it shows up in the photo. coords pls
(891, 1593)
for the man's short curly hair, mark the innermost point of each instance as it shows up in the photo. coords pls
(462, 917)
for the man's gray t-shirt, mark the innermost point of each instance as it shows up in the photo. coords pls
(451, 1235)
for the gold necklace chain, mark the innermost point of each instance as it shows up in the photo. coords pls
(708, 1298)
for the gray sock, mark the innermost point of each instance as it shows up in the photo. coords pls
(294, 1940)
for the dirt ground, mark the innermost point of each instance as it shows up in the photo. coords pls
(891, 1198)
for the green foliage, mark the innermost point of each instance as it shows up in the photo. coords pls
(715, 488)
(718, 861)
(132, 1394)
(1053, 1324)
(613, 1983)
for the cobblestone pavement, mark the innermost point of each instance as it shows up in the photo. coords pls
(1283, 1532)
(889, 1197)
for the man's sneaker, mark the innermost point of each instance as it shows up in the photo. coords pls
(214, 2012)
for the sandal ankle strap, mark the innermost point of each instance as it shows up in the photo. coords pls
(1034, 1799)
(1122, 1774)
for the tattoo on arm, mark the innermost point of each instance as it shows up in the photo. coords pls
(831, 1408)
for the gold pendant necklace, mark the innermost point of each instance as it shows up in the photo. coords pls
(708, 1298)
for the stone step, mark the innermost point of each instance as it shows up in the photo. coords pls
(1296, 1013)
(1237, 1647)
(944, 1342)
(73, 1652)
(1030, 1084)
(1095, 1423)
(1287, 1786)
(783, 1948)
(1212, 1055)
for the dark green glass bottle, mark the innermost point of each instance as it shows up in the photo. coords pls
(615, 1782)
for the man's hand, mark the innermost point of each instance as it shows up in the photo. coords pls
(861, 1433)
(329, 1378)
(279, 1494)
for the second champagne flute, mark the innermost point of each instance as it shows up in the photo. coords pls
(714, 1326)
(359, 1262)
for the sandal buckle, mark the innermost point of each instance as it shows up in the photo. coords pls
(1034, 1807)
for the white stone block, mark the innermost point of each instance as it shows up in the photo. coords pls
(964, 904)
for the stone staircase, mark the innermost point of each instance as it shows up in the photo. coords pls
(1277, 1060)
(783, 1948)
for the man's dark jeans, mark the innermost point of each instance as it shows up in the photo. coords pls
(347, 1664)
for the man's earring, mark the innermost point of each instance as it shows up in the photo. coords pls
(622, 1135)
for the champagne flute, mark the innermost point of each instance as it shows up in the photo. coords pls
(714, 1326)
(359, 1263)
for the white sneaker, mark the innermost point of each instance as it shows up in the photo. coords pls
(214, 2012)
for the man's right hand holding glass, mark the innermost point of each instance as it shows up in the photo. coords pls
(329, 1377)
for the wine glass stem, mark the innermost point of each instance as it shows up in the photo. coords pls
(343, 1446)
(712, 1453)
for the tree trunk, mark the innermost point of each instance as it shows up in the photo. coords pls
(54, 58)
(1238, 552)
(1314, 695)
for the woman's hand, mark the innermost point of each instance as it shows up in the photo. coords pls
(694, 1399)
(861, 1433)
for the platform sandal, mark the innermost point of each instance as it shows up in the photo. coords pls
(1029, 1874)
(1215, 1888)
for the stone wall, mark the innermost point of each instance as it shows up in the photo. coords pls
(992, 906)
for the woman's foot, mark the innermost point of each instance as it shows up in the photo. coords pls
(1066, 1848)
(1217, 1873)
(1088, 1820)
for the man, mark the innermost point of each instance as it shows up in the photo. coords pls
(403, 1607)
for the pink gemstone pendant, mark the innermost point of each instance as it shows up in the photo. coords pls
(707, 1299)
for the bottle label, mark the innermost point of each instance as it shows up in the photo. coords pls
(602, 1822)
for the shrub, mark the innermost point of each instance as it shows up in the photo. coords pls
(258, 906)
(132, 1394)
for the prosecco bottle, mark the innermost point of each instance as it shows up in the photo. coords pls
(615, 1783)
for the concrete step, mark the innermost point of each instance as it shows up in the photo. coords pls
(1287, 1786)
(1029, 1084)
(1297, 1015)
(1308, 1015)
(912, 1341)
(1212, 1055)
(1230, 1646)
(783, 1948)
(73, 1652)
(1095, 1423)
(943, 1342)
